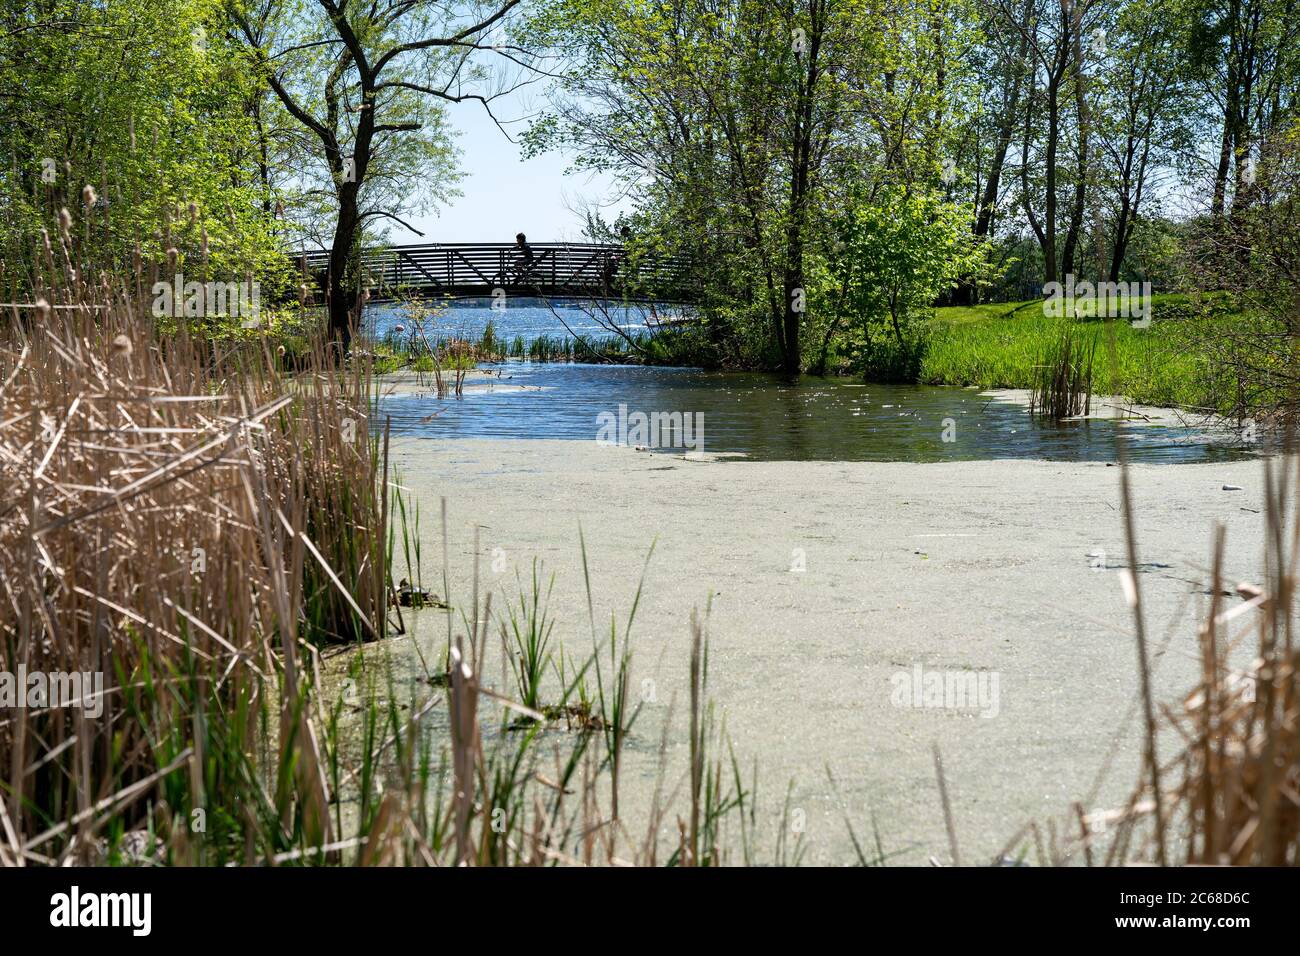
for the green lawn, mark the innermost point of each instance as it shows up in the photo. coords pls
(960, 314)
(997, 346)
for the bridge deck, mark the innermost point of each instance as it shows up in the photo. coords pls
(559, 269)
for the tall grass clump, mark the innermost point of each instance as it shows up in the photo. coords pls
(613, 686)
(700, 840)
(544, 348)
(188, 523)
(526, 639)
(1062, 386)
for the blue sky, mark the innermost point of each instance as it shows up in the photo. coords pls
(502, 194)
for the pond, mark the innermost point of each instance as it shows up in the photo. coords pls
(763, 417)
(759, 416)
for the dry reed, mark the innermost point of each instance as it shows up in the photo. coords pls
(182, 519)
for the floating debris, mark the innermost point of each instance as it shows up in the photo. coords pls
(410, 596)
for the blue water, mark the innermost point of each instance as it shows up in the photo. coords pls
(523, 318)
(750, 414)
(762, 417)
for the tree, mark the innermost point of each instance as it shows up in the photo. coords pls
(1143, 112)
(735, 126)
(1003, 72)
(367, 82)
(1053, 35)
(1254, 257)
(142, 101)
(1243, 53)
(897, 252)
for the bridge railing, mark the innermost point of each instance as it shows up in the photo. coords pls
(480, 268)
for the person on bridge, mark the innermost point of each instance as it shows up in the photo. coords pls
(524, 264)
(615, 260)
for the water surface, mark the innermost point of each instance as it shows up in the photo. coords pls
(763, 417)
(527, 319)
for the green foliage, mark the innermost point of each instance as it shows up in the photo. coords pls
(892, 254)
(145, 102)
(738, 127)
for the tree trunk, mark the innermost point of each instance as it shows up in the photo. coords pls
(1221, 172)
(344, 293)
(1034, 224)
(966, 293)
(1047, 234)
(1123, 230)
(1129, 208)
(1081, 169)
(800, 184)
(1048, 238)
(1230, 110)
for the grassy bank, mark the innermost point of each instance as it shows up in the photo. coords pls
(997, 346)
